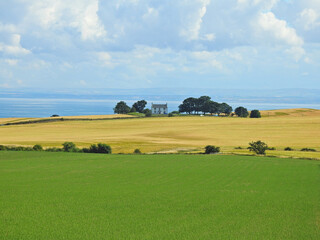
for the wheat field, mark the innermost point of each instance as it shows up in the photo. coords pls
(295, 128)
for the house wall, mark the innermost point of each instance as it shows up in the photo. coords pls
(159, 110)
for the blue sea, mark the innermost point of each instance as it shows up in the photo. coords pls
(45, 107)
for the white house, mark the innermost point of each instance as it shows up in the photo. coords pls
(159, 108)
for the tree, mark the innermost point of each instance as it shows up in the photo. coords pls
(100, 148)
(225, 108)
(213, 107)
(201, 104)
(211, 149)
(121, 108)
(137, 151)
(255, 114)
(69, 147)
(133, 110)
(139, 106)
(147, 112)
(37, 147)
(258, 147)
(104, 148)
(241, 112)
(188, 105)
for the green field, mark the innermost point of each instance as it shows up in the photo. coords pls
(92, 196)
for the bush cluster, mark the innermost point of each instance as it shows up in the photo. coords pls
(211, 149)
(66, 147)
(308, 150)
(258, 147)
(288, 149)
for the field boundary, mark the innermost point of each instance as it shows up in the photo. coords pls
(64, 119)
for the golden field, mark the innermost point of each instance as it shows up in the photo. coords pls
(296, 128)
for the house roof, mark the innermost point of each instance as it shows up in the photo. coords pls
(159, 105)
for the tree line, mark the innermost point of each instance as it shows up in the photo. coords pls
(205, 105)
(190, 105)
(139, 106)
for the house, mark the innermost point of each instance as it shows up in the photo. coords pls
(159, 108)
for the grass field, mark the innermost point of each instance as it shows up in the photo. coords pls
(296, 128)
(91, 196)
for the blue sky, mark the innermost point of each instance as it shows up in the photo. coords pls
(159, 44)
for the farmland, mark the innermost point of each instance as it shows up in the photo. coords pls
(296, 128)
(93, 196)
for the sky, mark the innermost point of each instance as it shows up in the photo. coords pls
(130, 44)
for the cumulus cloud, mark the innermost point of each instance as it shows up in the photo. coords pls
(309, 18)
(81, 15)
(13, 47)
(142, 41)
(193, 20)
(278, 29)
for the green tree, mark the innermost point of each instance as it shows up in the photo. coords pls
(137, 151)
(225, 108)
(241, 112)
(201, 104)
(258, 147)
(147, 112)
(211, 149)
(255, 114)
(133, 110)
(121, 108)
(188, 105)
(139, 106)
(69, 147)
(37, 147)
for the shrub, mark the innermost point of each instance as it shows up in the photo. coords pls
(308, 150)
(100, 148)
(241, 112)
(3, 148)
(54, 149)
(255, 114)
(238, 147)
(37, 147)
(170, 115)
(104, 148)
(175, 112)
(258, 147)
(211, 149)
(69, 147)
(55, 115)
(271, 148)
(288, 149)
(137, 151)
(147, 112)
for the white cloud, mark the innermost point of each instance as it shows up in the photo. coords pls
(105, 58)
(194, 20)
(11, 62)
(278, 29)
(309, 18)
(13, 47)
(8, 28)
(296, 52)
(61, 14)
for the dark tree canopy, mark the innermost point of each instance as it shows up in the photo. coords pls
(188, 105)
(241, 112)
(258, 147)
(255, 114)
(225, 108)
(211, 149)
(121, 108)
(147, 112)
(139, 106)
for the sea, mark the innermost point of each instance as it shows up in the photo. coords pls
(11, 107)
